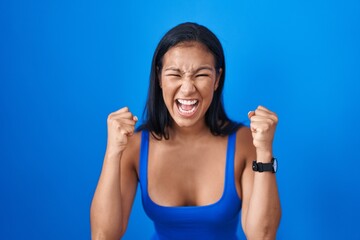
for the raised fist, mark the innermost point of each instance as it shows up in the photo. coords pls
(121, 126)
(263, 124)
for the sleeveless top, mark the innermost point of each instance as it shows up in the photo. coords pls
(219, 220)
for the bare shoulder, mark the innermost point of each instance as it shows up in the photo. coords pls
(244, 141)
(243, 134)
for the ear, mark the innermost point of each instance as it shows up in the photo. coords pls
(218, 76)
(158, 72)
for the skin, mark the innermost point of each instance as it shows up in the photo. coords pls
(187, 169)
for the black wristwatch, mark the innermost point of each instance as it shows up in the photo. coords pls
(265, 167)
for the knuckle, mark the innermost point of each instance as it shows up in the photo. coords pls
(270, 121)
(126, 115)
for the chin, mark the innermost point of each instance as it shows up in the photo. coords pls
(188, 121)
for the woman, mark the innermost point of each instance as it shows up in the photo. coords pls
(195, 166)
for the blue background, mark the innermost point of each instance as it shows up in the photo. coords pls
(65, 65)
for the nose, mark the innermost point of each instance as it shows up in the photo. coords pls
(187, 86)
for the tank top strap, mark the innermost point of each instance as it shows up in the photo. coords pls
(230, 162)
(144, 152)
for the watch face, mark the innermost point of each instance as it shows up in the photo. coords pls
(275, 165)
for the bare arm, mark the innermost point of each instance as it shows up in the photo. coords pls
(261, 210)
(114, 195)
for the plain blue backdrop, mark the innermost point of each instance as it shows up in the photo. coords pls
(65, 65)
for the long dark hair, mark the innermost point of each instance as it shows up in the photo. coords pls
(157, 119)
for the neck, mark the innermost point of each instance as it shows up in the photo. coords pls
(185, 134)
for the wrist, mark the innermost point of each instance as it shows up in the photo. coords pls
(264, 156)
(113, 154)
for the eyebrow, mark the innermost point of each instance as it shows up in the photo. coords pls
(172, 69)
(196, 70)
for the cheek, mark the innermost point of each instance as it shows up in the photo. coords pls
(168, 92)
(206, 89)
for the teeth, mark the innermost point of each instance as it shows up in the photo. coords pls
(187, 102)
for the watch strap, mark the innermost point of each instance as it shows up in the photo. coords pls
(263, 167)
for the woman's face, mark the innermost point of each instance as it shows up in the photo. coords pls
(188, 80)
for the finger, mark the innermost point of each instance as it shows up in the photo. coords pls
(124, 109)
(127, 130)
(121, 115)
(126, 121)
(260, 126)
(260, 107)
(128, 115)
(266, 114)
(250, 114)
(262, 112)
(259, 110)
(267, 119)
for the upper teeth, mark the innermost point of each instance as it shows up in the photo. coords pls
(187, 102)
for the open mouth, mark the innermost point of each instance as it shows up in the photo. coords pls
(186, 106)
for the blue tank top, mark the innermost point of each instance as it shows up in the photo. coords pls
(219, 220)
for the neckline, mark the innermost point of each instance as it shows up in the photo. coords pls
(229, 155)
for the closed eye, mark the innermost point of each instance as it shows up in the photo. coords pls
(172, 75)
(202, 75)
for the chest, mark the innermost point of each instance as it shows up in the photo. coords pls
(187, 174)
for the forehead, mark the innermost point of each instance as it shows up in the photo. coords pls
(188, 54)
